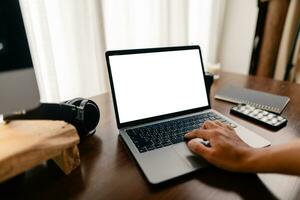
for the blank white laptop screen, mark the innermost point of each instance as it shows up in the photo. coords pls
(153, 84)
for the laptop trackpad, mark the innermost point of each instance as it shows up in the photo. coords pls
(190, 158)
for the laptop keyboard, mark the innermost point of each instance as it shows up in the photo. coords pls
(163, 134)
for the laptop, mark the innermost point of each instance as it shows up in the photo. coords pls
(159, 94)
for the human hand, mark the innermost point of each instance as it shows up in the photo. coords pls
(226, 150)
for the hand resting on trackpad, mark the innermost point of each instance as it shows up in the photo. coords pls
(219, 144)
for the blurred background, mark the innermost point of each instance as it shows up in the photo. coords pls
(68, 38)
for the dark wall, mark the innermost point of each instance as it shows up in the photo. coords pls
(14, 50)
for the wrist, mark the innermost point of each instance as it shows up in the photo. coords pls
(253, 159)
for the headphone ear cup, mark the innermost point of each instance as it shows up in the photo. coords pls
(87, 115)
(91, 116)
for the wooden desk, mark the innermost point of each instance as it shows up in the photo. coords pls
(107, 171)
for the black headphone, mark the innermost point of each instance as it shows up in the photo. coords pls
(84, 114)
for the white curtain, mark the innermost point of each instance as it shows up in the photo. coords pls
(68, 38)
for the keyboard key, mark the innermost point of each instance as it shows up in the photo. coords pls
(158, 145)
(177, 140)
(142, 150)
(151, 147)
(222, 120)
(166, 143)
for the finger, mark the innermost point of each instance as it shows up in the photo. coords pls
(209, 124)
(199, 133)
(196, 146)
(220, 124)
(226, 126)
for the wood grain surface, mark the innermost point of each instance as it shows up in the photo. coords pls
(26, 144)
(107, 170)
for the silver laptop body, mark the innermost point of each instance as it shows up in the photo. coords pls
(153, 86)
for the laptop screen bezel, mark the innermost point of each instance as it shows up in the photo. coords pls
(160, 117)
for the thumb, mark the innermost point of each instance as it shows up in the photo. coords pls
(197, 147)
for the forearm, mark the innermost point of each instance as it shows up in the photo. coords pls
(275, 159)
